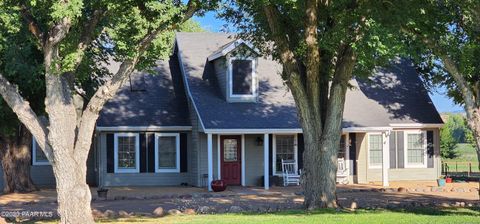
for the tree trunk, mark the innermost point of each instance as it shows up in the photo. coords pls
(73, 194)
(16, 163)
(473, 117)
(320, 165)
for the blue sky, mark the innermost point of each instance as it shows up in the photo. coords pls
(442, 102)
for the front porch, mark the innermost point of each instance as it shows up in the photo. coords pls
(250, 158)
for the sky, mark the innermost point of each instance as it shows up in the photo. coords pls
(441, 101)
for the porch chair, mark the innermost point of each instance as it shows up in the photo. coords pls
(290, 174)
(342, 171)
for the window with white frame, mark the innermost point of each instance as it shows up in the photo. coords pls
(375, 150)
(38, 156)
(416, 149)
(127, 153)
(242, 75)
(167, 152)
(284, 147)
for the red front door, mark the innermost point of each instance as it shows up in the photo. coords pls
(231, 160)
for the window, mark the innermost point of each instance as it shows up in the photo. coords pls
(375, 148)
(127, 153)
(167, 152)
(230, 151)
(242, 75)
(38, 156)
(284, 147)
(416, 149)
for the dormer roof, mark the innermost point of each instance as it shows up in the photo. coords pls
(229, 47)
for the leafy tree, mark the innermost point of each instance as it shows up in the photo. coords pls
(446, 37)
(73, 37)
(448, 142)
(20, 62)
(320, 45)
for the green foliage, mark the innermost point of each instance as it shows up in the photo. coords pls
(453, 27)
(375, 43)
(116, 37)
(448, 143)
(21, 63)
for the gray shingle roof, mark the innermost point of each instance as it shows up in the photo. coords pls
(163, 103)
(275, 107)
(395, 95)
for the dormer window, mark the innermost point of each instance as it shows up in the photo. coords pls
(242, 78)
(235, 70)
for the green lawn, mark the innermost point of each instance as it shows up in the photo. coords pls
(466, 154)
(324, 216)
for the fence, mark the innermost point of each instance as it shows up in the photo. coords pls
(467, 169)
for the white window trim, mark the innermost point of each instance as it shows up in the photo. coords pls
(378, 166)
(177, 148)
(137, 153)
(274, 152)
(34, 155)
(405, 153)
(230, 79)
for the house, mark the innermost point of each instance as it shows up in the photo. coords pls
(218, 110)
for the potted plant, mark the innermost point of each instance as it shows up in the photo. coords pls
(218, 185)
(441, 181)
(102, 192)
(448, 179)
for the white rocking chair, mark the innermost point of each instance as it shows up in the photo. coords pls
(342, 171)
(290, 173)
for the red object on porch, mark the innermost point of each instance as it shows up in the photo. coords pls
(449, 180)
(218, 185)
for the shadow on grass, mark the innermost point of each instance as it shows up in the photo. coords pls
(474, 211)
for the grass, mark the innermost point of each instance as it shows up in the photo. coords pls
(466, 154)
(418, 215)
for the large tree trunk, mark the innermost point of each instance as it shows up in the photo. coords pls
(473, 117)
(73, 194)
(320, 168)
(16, 163)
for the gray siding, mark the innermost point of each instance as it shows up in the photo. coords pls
(366, 175)
(141, 179)
(253, 161)
(193, 165)
(221, 74)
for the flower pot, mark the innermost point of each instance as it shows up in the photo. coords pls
(441, 182)
(449, 180)
(102, 193)
(218, 185)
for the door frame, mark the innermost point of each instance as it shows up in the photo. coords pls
(219, 157)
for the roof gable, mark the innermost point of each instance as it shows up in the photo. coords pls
(227, 48)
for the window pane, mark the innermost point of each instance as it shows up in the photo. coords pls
(285, 149)
(415, 149)
(126, 152)
(230, 150)
(376, 148)
(242, 77)
(39, 155)
(167, 152)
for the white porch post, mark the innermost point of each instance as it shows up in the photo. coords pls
(385, 158)
(265, 162)
(210, 160)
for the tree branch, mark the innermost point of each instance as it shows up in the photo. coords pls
(26, 115)
(313, 60)
(32, 24)
(110, 88)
